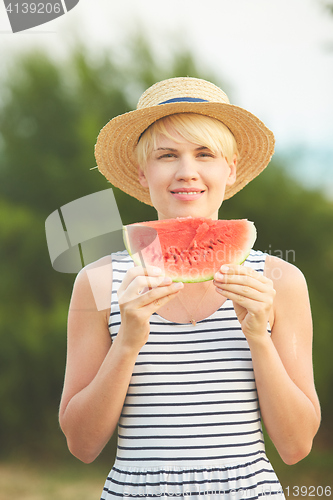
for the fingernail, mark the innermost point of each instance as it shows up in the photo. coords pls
(224, 269)
(167, 280)
(179, 285)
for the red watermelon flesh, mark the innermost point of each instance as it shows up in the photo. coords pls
(190, 249)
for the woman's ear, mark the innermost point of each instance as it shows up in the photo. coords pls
(142, 178)
(233, 171)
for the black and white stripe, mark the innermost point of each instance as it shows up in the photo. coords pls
(191, 424)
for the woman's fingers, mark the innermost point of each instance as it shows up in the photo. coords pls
(243, 281)
(142, 284)
(144, 287)
(147, 297)
(251, 292)
(151, 275)
(136, 309)
(159, 296)
(244, 288)
(142, 292)
(239, 274)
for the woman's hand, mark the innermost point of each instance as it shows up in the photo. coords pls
(142, 292)
(252, 295)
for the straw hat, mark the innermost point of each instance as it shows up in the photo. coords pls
(116, 142)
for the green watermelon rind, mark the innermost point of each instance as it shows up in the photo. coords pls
(208, 277)
(126, 242)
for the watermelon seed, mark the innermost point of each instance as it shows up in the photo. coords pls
(174, 250)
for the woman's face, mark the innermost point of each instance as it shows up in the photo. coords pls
(186, 179)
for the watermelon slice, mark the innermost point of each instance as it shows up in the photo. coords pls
(190, 249)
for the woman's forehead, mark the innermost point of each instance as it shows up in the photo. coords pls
(175, 141)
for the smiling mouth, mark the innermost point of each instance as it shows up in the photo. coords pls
(186, 192)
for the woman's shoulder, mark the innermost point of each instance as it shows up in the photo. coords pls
(103, 264)
(289, 283)
(282, 272)
(291, 297)
(93, 285)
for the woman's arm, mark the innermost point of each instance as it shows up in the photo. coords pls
(98, 374)
(282, 363)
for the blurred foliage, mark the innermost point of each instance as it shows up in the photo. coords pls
(50, 117)
(329, 6)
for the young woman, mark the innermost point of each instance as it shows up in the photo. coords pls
(187, 371)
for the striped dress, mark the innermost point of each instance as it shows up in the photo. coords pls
(190, 425)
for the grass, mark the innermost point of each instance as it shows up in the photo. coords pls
(61, 482)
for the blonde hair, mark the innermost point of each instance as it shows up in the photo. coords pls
(198, 129)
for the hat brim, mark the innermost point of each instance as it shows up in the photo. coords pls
(115, 146)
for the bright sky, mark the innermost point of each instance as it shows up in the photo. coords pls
(276, 55)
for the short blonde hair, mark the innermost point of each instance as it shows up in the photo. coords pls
(198, 129)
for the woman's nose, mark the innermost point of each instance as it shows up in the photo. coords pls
(187, 169)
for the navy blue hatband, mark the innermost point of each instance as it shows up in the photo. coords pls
(183, 99)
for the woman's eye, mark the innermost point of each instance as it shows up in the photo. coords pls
(166, 155)
(206, 154)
